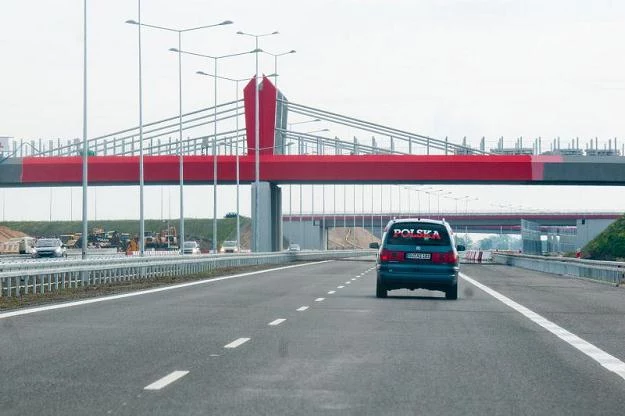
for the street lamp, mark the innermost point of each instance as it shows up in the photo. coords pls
(275, 70)
(84, 139)
(236, 81)
(256, 137)
(141, 181)
(180, 144)
(215, 59)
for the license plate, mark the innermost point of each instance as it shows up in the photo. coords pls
(418, 256)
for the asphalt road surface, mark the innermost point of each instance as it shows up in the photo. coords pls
(313, 339)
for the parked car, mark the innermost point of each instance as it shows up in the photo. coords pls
(229, 247)
(294, 248)
(49, 247)
(191, 247)
(418, 254)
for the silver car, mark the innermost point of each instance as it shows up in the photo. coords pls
(49, 247)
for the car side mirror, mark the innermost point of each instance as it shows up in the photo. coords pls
(460, 247)
(374, 245)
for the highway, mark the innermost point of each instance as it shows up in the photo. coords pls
(313, 339)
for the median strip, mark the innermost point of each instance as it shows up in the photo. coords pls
(28, 311)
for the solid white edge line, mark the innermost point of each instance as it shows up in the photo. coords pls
(168, 379)
(276, 322)
(28, 311)
(319, 299)
(302, 308)
(237, 342)
(606, 360)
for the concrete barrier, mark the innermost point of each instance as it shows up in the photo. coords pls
(608, 272)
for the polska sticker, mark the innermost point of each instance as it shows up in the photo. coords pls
(420, 234)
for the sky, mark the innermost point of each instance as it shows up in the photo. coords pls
(442, 68)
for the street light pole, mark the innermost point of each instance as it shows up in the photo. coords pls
(215, 76)
(141, 179)
(236, 81)
(215, 162)
(180, 140)
(256, 139)
(84, 139)
(275, 71)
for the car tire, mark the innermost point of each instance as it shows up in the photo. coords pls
(380, 290)
(452, 292)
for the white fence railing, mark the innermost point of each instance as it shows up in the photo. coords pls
(42, 277)
(605, 271)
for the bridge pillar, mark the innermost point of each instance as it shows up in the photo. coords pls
(268, 223)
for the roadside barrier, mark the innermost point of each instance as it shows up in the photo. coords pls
(477, 256)
(604, 271)
(155, 253)
(46, 276)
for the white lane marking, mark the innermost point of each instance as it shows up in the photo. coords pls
(348, 283)
(340, 287)
(332, 292)
(145, 292)
(168, 379)
(353, 279)
(237, 342)
(302, 308)
(606, 360)
(319, 299)
(277, 322)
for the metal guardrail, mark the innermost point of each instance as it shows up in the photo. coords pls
(612, 272)
(43, 277)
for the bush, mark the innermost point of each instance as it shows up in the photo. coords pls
(610, 244)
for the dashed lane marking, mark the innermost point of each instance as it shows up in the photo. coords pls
(302, 308)
(277, 322)
(319, 299)
(237, 342)
(332, 292)
(168, 379)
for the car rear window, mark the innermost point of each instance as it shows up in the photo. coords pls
(417, 234)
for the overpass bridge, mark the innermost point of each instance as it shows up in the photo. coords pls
(310, 230)
(288, 156)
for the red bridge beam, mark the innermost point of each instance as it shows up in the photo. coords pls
(392, 169)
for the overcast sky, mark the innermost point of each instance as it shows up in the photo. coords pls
(437, 67)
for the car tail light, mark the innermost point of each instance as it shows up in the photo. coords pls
(445, 258)
(388, 255)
